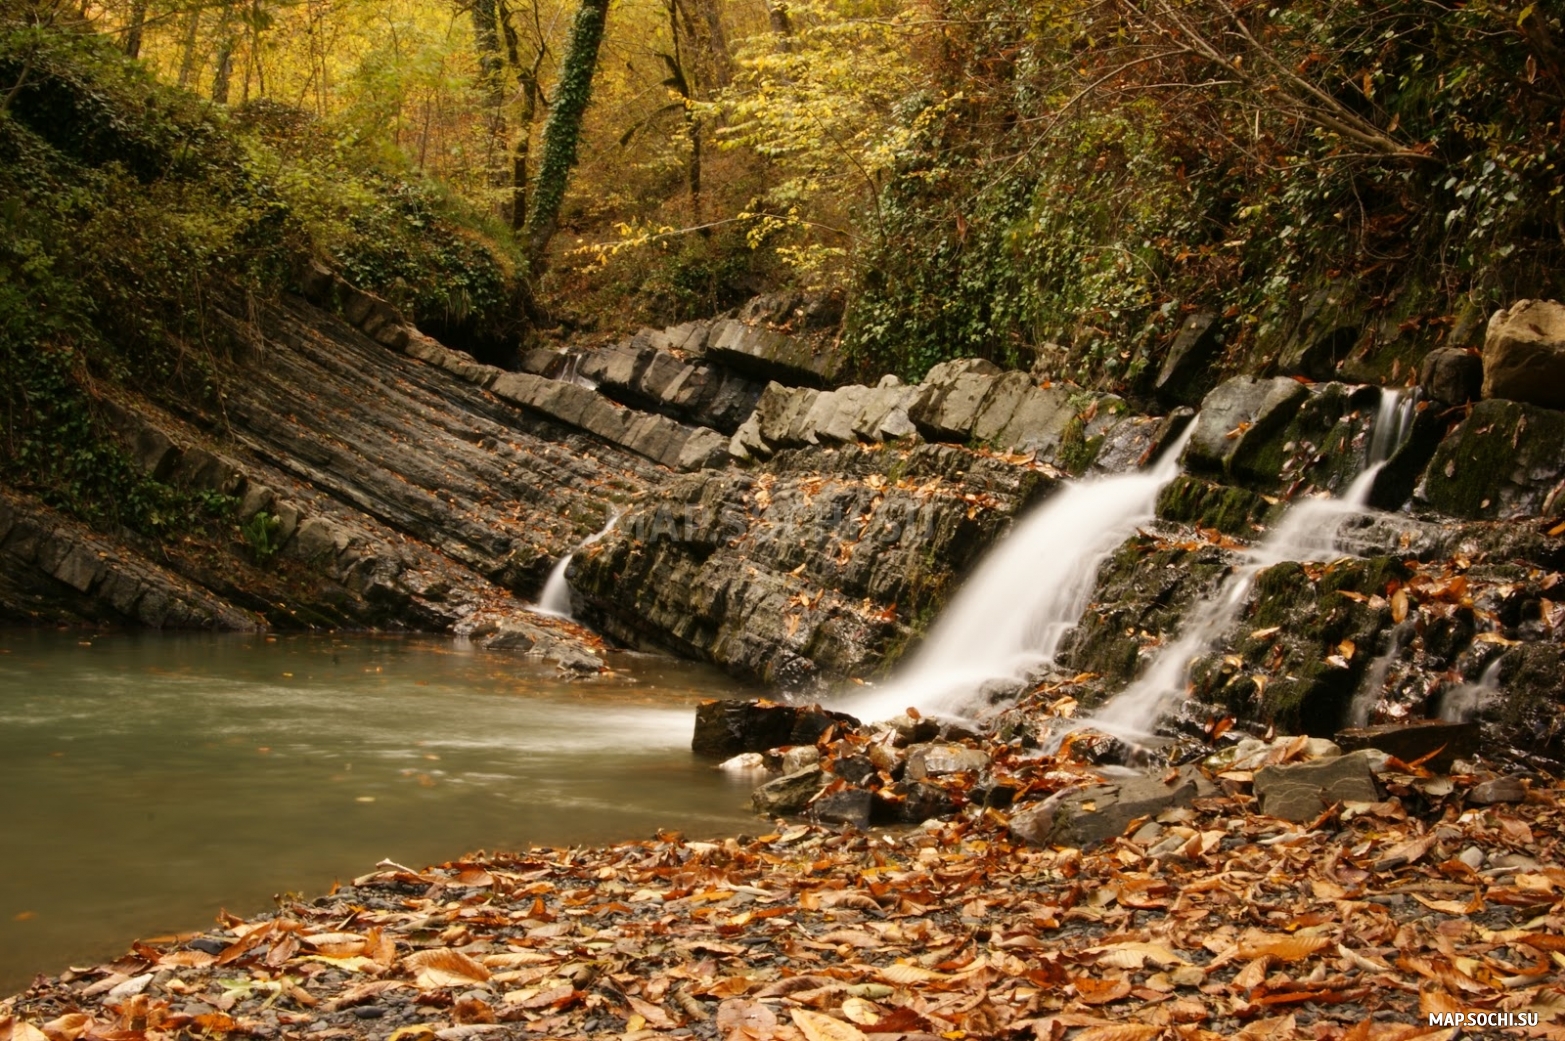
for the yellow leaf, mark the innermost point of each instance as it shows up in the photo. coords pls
(1399, 606)
(816, 1026)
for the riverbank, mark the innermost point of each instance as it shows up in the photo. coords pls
(1210, 921)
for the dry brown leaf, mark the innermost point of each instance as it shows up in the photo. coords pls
(1283, 948)
(743, 1018)
(1100, 992)
(444, 967)
(68, 1027)
(817, 1026)
(864, 1013)
(1133, 955)
(14, 1029)
(1252, 975)
(905, 974)
(1120, 1032)
(655, 1015)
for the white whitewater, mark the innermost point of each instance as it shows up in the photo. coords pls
(555, 600)
(1308, 532)
(1007, 619)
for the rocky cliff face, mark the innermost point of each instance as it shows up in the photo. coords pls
(801, 533)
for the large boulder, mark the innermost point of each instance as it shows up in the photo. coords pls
(1524, 354)
(953, 392)
(1237, 418)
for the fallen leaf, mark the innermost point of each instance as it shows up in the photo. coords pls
(444, 967)
(817, 1026)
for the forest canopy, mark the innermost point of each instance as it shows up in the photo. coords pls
(1062, 181)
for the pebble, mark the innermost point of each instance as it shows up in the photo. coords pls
(1472, 856)
(369, 1011)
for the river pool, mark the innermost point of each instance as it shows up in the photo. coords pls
(149, 780)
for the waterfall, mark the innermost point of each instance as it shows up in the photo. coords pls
(555, 600)
(1008, 618)
(1307, 532)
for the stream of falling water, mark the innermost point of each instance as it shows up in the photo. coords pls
(555, 600)
(1007, 619)
(1308, 532)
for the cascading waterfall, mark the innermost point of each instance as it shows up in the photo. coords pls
(555, 600)
(1008, 618)
(1307, 532)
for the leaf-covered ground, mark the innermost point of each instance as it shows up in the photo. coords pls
(1211, 922)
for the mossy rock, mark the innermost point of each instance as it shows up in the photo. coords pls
(1505, 460)
(1298, 655)
(1142, 590)
(1223, 507)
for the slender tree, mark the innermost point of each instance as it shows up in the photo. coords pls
(562, 130)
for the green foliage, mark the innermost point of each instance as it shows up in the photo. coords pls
(260, 534)
(1084, 176)
(126, 210)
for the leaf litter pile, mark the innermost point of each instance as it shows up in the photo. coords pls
(1210, 922)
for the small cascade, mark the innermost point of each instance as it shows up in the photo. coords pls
(1307, 532)
(555, 600)
(569, 374)
(1008, 618)
(1461, 703)
(1369, 692)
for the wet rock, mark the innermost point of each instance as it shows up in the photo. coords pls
(911, 730)
(1236, 418)
(855, 769)
(726, 728)
(1302, 791)
(1451, 376)
(1497, 790)
(939, 759)
(1441, 741)
(1083, 817)
(797, 758)
(810, 565)
(1524, 354)
(789, 794)
(913, 802)
(844, 806)
(1504, 461)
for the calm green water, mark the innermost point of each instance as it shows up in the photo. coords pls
(147, 780)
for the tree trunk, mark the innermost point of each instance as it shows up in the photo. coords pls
(562, 130)
(486, 37)
(532, 101)
(138, 22)
(223, 75)
(187, 61)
